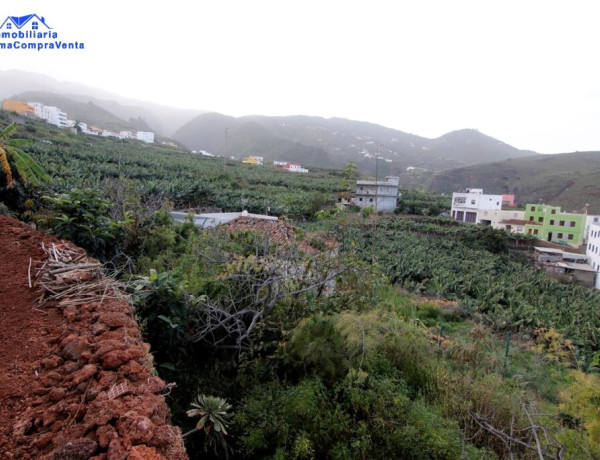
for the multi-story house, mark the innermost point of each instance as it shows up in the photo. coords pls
(18, 106)
(145, 136)
(253, 160)
(381, 195)
(51, 114)
(593, 250)
(555, 225)
(470, 205)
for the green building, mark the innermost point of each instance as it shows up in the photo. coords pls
(550, 224)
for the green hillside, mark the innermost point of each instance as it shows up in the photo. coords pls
(336, 141)
(89, 112)
(347, 337)
(569, 180)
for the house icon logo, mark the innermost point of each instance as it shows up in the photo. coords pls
(32, 32)
(30, 22)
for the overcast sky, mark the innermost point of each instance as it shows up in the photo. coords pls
(526, 72)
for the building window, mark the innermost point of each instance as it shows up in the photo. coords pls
(572, 223)
(472, 201)
(551, 221)
(533, 208)
(530, 218)
(360, 199)
(460, 200)
(460, 215)
(559, 235)
(519, 229)
(370, 200)
(471, 217)
(570, 236)
(535, 232)
(553, 211)
(561, 223)
(34, 25)
(540, 219)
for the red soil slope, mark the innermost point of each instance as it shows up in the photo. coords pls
(75, 382)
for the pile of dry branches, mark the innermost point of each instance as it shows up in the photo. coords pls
(71, 278)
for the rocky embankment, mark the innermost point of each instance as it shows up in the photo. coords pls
(75, 377)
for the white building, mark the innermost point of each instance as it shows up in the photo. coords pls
(51, 114)
(37, 107)
(108, 133)
(381, 195)
(593, 249)
(213, 219)
(469, 206)
(291, 167)
(145, 136)
(495, 217)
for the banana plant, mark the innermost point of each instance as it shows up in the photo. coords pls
(26, 167)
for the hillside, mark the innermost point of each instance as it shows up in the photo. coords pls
(338, 141)
(87, 112)
(77, 383)
(296, 363)
(163, 120)
(569, 180)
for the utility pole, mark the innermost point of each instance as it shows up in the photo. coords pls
(374, 241)
(377, 180)
(226, 156)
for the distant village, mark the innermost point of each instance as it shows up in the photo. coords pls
(577, 233)
(55, 116)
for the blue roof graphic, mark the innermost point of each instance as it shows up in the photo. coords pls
(20, 21)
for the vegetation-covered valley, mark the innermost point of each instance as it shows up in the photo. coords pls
(356, 336)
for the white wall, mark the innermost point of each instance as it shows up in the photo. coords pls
(593, 250)
(466, 207)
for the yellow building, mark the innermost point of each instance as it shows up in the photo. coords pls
(17, 106)
(253, 160)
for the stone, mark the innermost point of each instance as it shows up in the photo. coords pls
(74, 348)
(144, 453)
(116, 319)
(117, 358)
(85, 373)
(56, 394)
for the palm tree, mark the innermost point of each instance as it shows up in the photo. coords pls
(26, 167)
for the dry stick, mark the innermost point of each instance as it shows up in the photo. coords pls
(29, 273)
(81, 402)
(80, 267)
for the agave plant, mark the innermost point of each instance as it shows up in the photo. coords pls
(212, 412)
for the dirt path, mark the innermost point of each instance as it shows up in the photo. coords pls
(75, 382)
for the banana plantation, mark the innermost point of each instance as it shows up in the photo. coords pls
(359, 337)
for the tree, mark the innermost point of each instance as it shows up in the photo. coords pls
(27, 169)
(349, 179)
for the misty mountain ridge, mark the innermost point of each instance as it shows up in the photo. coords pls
(163, 120)
(333, 142)
(569, 180)
(309, 140)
